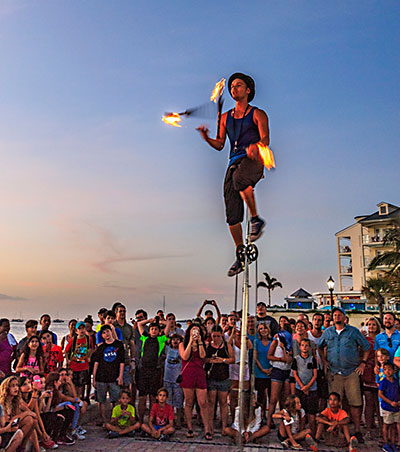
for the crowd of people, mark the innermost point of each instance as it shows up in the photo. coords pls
(306, 380)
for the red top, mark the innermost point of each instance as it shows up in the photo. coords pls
(51, 358)
(162, 416)
(80, 356)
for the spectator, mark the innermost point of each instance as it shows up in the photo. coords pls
(263, 317)
(45, 322)
(283, 320)
(172, 370)
(53, 354)
(340, 345)
(6, 351)
(77, 354)
(108, 369)
(174, 329)
(123, 421)
(390, 338)
(161, 419)
(65, 339)
(128, 341)
(209, 313)
(31, 361)
(390, 401)
(149, 372)
(31, 327)
(304, 367)
(17, 421)
(335, 421)
(194, 382)
(219, 355)
(368, 379)
(58, 412)
(327, 321)
(109, 319)
(263, 367)
(101, 315)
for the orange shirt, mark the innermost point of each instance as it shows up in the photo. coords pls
(331, 416)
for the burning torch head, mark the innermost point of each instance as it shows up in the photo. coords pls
(249, 83)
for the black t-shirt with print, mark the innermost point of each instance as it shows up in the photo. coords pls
(109, 357)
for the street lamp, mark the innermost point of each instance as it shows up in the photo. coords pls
(331, 286)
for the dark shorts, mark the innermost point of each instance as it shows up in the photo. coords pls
(263, 386)
(309, 402)
(7, 437)
(80, 377)
(148, 381)
(215, 385)
(239, 176)
(322, 384)
(103, 388)
(279, 375)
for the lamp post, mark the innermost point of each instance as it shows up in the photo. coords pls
(331, 286)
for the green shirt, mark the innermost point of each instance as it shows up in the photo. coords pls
(123, 421)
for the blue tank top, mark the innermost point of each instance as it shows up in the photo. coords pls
(242, 130)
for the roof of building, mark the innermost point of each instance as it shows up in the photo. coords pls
(393, 212)
(301, 293)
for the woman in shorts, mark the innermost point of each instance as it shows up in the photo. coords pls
(193, 353)
(280, 356)
(219, 356)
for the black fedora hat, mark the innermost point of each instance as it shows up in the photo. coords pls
(249, 83)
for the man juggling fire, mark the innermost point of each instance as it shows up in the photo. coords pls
(247, 129)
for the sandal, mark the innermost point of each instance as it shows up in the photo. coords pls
(189, 434)
(208, 436)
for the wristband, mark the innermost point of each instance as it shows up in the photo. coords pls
(363, 362)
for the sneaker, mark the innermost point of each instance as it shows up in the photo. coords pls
(237, 267)
(353, 443)
(359, 437)
(285, 444)
(112, 435)
(256, 228)
(394, 448)
(311, 443)
(50, 444)
(131, 434)
(386, 448)
(164, 437)
(81, 430)
(66, 441)
(77, 435)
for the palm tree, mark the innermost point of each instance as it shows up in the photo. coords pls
(389, 258)
(374, 291)
(270, 284)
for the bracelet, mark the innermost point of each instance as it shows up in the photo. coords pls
(363, 362)
(34, 397)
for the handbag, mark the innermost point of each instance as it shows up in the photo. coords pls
(179, 378)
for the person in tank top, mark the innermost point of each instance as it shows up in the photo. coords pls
(246, 126)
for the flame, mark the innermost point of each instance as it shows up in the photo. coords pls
(218, 90)
(266, 156)
(172, 119)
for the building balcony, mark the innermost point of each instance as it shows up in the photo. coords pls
(372, 240)
(346, 270)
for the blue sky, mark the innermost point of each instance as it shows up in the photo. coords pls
(102, 201)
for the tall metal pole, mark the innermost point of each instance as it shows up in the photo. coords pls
(236, 292)
(243, 344)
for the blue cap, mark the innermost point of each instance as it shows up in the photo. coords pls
(338, 308)
(80, 324)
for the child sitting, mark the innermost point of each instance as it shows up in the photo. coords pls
(161, 420)
(252, 422)
(389, 397)
(123, 421)
(292, 427)
(337, 421)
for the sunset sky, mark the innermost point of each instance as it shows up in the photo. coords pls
(101, 201)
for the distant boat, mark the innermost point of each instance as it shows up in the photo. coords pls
(58, 321)
(17, 320)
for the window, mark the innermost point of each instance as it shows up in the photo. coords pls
(383, 210)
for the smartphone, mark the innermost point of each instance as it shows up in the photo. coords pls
(14, 423)
(238, 325)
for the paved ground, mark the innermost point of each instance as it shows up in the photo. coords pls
(96, 441)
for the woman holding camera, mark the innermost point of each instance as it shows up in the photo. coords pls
(219, 355)
(193, 376)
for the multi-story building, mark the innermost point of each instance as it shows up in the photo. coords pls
(359, 243)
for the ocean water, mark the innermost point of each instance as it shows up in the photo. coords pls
(61, 329)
